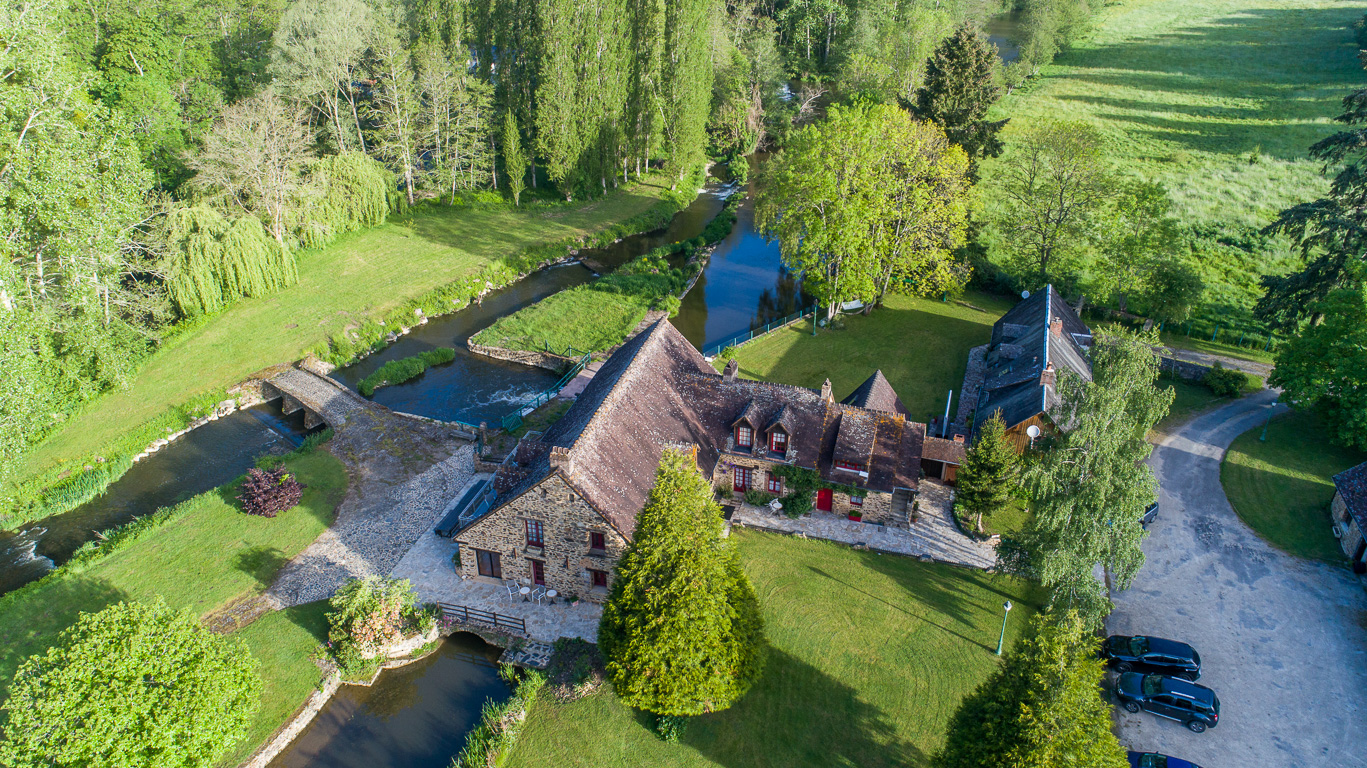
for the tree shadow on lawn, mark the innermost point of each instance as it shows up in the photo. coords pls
(797, 715)
(475, 231)
(32, 622)
(262, 562)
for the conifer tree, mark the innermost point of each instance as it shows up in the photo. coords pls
(960, 86)
(1043, 708)
(514, 161)
(990, 473)
(681, 631)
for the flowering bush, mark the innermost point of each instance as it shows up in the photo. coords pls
(369, 614)
(268, 492)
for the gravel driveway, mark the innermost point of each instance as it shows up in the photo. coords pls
(1282, 640)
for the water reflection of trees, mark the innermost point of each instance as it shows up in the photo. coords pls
(778, 302)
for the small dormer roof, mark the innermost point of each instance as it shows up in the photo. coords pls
(749, 415)
(782, 420)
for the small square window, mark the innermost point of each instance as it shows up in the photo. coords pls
(745, 437)
(600, 578)
(856, 501)
(778, 442)
(597, 541)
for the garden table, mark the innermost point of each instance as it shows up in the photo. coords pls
(524, 592)
(551, 595)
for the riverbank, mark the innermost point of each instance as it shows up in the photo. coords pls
(352, 284)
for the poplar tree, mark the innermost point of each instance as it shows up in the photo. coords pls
(681, 630)
(514, 162)
(686, 82)
(1090, 487)
(394, 107)
(990, 473)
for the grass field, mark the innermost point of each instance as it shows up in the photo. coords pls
(360, 275)
(1282, 487)
(571, 322)
(204, 558)
(921, 345)
(869, 656)
(1190, 400)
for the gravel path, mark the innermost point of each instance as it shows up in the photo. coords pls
(1282, 639)
(326, 398)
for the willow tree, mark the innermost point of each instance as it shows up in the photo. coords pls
(347, 192)
(210, 260)
(317, 49)
(867, 202)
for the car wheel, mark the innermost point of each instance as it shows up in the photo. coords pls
(1124, 667)
(1197, 726)
(1130, 706)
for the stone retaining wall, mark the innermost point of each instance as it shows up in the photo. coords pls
(548, 360)
(1183, 369)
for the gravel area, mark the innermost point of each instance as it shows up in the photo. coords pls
(934, 535)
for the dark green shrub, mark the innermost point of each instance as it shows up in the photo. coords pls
(399, 371)
(671, 727)
(757, 497)
(1225, 382)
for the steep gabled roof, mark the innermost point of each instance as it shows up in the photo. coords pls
(876, 394)
(1352, 486)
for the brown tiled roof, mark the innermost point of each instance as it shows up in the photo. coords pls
(947, 451)
(876, 394)
(1352, 486)
(657, 390)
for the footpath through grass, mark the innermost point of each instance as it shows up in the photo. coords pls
(361, 275)
(207, 555)
(921, 345)
(869, 657)
(1282, 487)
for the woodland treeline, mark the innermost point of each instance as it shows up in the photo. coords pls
(163, 159)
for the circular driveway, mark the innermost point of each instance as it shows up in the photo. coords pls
(1282, 640)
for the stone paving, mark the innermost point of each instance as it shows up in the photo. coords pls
(934, 535)
(372, 532)
(327, 399)
(428, 566)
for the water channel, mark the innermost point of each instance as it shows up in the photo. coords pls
(1004, 31)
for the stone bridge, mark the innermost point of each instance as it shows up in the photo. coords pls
(323, 400)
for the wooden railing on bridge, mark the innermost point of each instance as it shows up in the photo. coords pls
(467, 615)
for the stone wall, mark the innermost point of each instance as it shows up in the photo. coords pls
(877, 507)
(1352, 536)
(567, 519)
(1183, 369)
(548, 360)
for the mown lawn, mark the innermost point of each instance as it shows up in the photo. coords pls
(1282, 487)
(360, 275)
(921, 345)
(571, 322)
(202, 559)
(869, 656)
(1191, 398)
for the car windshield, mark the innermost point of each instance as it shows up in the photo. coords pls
(1153, 684)
(1153, 761)
(1139, 646)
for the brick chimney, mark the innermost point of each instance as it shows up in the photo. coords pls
(561, 459)
(826, 391)
(1056, 327)
(1049, 377)
(729, 373)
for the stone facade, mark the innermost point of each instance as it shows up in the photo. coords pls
(567, 521)
(1352, 537)
(877, 506)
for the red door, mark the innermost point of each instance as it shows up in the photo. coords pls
(538, 572)
(823, 499)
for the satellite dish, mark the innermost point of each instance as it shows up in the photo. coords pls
(1032, 431)
(1025, 294)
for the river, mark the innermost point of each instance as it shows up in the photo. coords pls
(1004, 31)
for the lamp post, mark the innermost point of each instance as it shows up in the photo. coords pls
(1002, 638)
(1270, 408)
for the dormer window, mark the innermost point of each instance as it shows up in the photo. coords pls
(778, 442)
(745, 437)
(849, 465)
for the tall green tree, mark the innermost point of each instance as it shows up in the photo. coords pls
(1138, 234)
(394, 107)
(316, 55)
(514, 161)
(1324, 366)
(1053, 182)
(130, 686)
(686, 77)
(681, 630)
(960, 87)
(1091, 485)
(1043, 708)
(866, 202)
(989, 479)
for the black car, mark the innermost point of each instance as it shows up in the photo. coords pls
(1155, 760)
(1195, 706)
(1152, 654)
(1150, 514)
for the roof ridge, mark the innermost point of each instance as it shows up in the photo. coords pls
(614, 391)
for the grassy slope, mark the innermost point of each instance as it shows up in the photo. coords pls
(202, 560)
(870, 655)
(361, 274)
(1186, 91)
(1282, 487)
(581, 318)
(921, 345)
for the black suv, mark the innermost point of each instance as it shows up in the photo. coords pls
(1195, 706)
(1155, 760)
(1150, 514)
(1152, 654)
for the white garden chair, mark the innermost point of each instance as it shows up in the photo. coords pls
(539, 594)
(512, 587)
